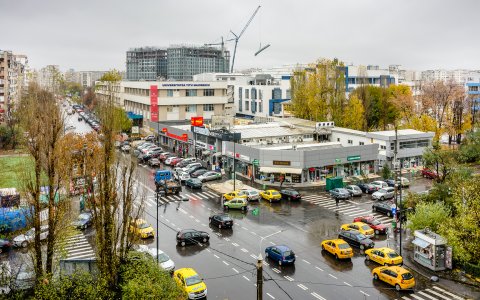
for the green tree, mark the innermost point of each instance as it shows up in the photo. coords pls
(124, 122)
(386, 172)
(429, 215)
(443, 161)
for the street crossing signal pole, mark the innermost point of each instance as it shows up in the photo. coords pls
(259, 278)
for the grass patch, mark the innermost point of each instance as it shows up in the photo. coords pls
(12, 169)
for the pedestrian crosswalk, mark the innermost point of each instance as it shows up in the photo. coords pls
(77, 247)
(150, 201)
(346, 207)
(433, 293)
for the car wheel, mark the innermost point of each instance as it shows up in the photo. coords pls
(289, 198)
(219, 226)
(1, 250)
(367, 258)
(182, 244)
(385, 264)
(382, 198)
(266, 254)
(362, 247)
(389, 214)
(204, 240)
(374, 208)
(225, 207)
(24, 244)
(377, 232)
(375, 276)
(336, 256)
(397, 287)
(323, 248)
(280, 262)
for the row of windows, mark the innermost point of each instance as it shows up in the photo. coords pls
(414, 144)
(190, 92)
(135, 91)
(191, 108)
(254, 105)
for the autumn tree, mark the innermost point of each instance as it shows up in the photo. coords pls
(401, 98)
(443, 161)
(354, 114)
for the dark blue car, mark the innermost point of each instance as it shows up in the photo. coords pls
(281, 254)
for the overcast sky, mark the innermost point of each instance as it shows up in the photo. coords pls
(94, 35)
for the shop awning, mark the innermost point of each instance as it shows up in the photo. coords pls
(218, 154)
(280, 170)
(421, 243)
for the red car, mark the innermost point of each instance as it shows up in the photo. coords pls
(427, 173)
(175, 161)
(378, 227)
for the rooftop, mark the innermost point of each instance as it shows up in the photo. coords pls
(300, 146)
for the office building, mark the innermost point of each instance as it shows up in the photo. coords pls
(146, 64)
(13, 78)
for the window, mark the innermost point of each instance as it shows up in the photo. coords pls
(254, 94)
(383, 147)
(209, 92)
(191, 93)
(247, 105)
(240, 102)
(260, 106)
(289, 94)
(247, 94)
(191, 108)
(361, 143)
(208, 107)
(169, 108)
(392, 146)
(254, 105)
(169, 93)
(350, 142)
(338, 139)
(260, 94)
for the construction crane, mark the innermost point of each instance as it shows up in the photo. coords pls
(237, 37)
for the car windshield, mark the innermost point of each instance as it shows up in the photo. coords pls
(375, 222)
(383, 191)
(407, 276)
(293, 192)
(343, 246)
(195, 180)
(361, 236)
(84, 217)
(143, 225)
(162, 257)
(393, 255)
(287, 253)
(30, 232)
(365, 227)
(226, 218)
(253, 193)
(195, 279)
(274, 193)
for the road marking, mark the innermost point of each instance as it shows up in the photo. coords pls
(302, 287)
(253, 255)
(406, 298)
(216, 256)
(445, 292)
(318, 268)
(203, 224)
(426, 295)
(246, 278)
(252, 232)
(191, 217)
(416, 297)
(265, 263)
(347, 283)
(270, 296)
(173, 225)
(306, 261)
(245, 228)
(317, 296)
(235, 270)
(244, 250)
(227, 239)
(209, 208)
(276, 270)
(235, 244)
(364, 293)
(178, 228)
(437, 294)
(167, 220)
(218, 233)
(203, 205)
(183, 211)
(197, 220)
(272, 243)
(332, 276)
(225, 263)
(365, 212)
(288, 278)
(209, 250)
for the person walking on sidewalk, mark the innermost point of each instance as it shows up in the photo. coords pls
(336, 201)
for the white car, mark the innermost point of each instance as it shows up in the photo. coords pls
(191, 166)
(404, 182)
(252, 195)
(23, 240)
(168, 161)
(125, 148)
(163, 260)
(70, 127)
(181, 176)
(384, 193)
(209, 176)
(379, 184)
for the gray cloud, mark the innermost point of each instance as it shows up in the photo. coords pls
(94, 35)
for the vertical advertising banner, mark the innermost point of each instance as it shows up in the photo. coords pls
(154, 103)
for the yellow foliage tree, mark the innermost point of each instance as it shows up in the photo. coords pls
(354, 117)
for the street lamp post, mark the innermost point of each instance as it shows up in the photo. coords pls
(260, 266)
(157, 196)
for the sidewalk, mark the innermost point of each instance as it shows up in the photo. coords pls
(452, 280)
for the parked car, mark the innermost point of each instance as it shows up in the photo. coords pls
(383, 207)
(191, 165)
(354, 190)
(23, 240)
(150, 138)
(221, 221)
(281, 254)
(193, 183)
(252, 195)
(175, 161)
(375, 224)
(144, 158)
(168, 161)
(235, 194)
(191, 283)
(141, 228)
(384, 193)
(427, 173)
(356, 239)
(83, 221)
(155, 153)
(236, 203)
(163, 156)
(154, 163)
(198, 172)
(271, 195)
(338, 248)
(185, 162)
(367, 188)
(340, 193)
(194, 168)
(378, 184)
(181, 176)
(5, 245)
(209, 176)
(125, 148)
(290, 194)
(396, 276)
(404, 182)
(191, 236)
(360, 227)
(384, 256)
(163, 259)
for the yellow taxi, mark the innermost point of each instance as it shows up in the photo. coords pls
(271, 195)
(189, 280)
(384, 256)
(339, 248)
(236, 194)
(141, 228)
(396, 276)
(362, 227)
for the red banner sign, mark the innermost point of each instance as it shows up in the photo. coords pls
(196, 121)
(154, 103)
(183, 137)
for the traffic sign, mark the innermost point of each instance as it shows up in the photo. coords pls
(256, 162)
(256, 211)
(394, 211)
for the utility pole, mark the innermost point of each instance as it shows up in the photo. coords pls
(234, 155)
(259, 278)
(395, 152)
(400, 211)
(157, 190)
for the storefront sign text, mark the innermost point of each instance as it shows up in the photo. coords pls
(281, 163)
(201, 130)
(183, 137)
(354, 157)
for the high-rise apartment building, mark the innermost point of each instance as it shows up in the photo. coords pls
(185, 61)
(146, 64)
(177, 62)
(13, 69)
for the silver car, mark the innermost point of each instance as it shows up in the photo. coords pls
(252, 195)
(208, 176)
(385, 193)
(354, 190)
(23, 240)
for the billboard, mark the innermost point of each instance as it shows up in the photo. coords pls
(196, 121)
(154, 103)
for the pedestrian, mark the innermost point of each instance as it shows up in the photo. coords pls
(178, 205)
(337, 201)
(281, 182)
(208, 165)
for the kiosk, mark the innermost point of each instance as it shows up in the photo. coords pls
(431, 250)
